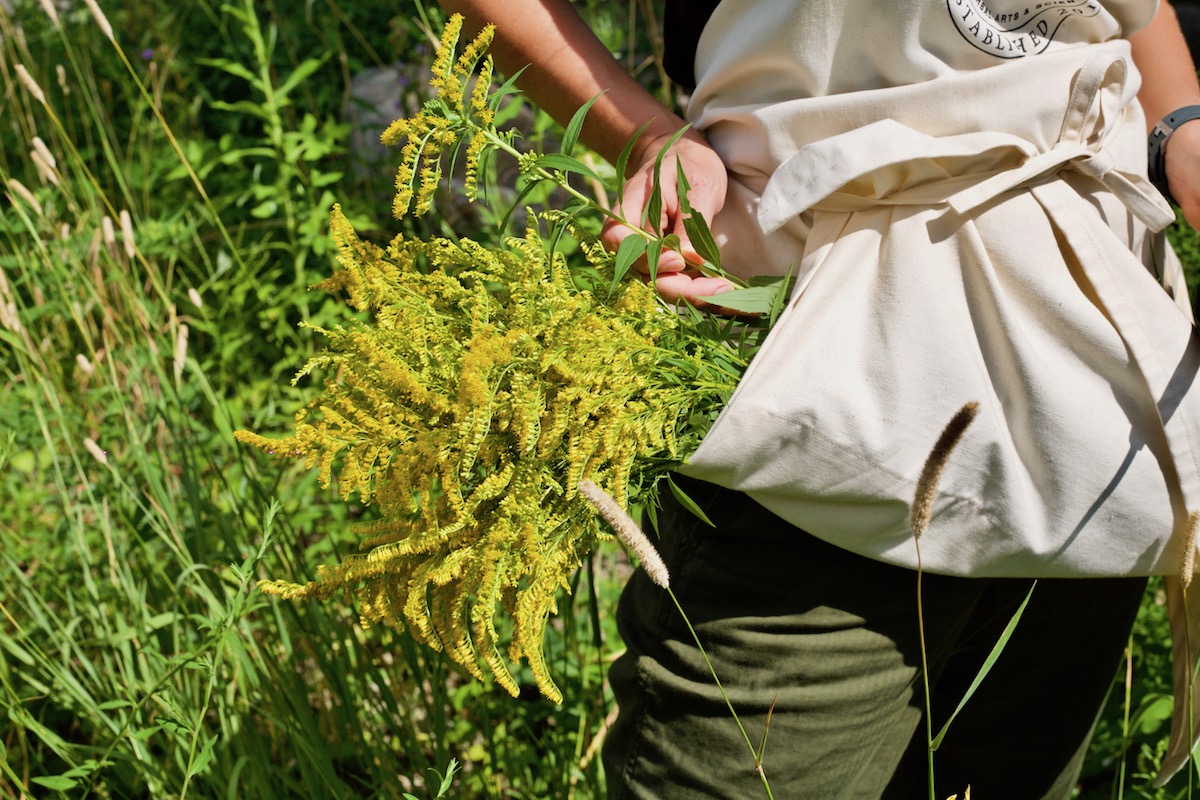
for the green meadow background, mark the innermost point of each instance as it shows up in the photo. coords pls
(164, 198)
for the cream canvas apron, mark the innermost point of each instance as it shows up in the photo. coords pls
(959, 189)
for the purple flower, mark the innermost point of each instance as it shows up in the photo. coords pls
(148, 54)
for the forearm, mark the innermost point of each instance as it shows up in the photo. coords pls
(1168, 76)
(565, 66)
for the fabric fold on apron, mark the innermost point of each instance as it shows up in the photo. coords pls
(879, 192)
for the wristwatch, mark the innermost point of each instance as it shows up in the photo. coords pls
(1157, 146)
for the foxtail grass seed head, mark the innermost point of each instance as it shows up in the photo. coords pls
(8, 316)
(106, 227)
(22, 191)
(51, 11)
(101, 20)
(629, 531)
(1188, 570)
(931, 474)
(41, 149)
(181, 344)
(90, 445)
(127, 233)
(45, 171)
(30, 84)
(8, 308)
(84, 365)
(61, 73)
(195, 298)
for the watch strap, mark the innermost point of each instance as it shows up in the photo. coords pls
(1157, 146)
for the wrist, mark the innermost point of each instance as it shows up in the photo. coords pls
(655, 138)
(1173, 125)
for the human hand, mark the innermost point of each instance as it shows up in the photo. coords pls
(1183, 170)
(676, 277)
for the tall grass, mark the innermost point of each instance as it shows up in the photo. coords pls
(135, 335)
(141, 322)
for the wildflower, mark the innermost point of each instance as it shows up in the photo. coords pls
(30, 84)
(442, 79)
(629, 532)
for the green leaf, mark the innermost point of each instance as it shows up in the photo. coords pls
(751, 300)
(623, 159)
(687, 502)
(529, 186)
(987, 666)
(112, 705)
(447, 778)
(58, 783)
(702, 240)
(145, 733)
(302, 71)
(205, 756)
(506, 88)
(571, 136)
(632, 248)
(653, 253)
(566, 164)
(653, 210)
(230, 66)
(240, 107)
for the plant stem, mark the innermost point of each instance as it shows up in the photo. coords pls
(753, 753)
(925, 670)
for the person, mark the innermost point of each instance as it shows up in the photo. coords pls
(960, 191)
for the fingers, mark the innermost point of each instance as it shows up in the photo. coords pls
(708, 181)
(700, 290)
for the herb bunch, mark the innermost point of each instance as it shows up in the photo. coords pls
(489, 381)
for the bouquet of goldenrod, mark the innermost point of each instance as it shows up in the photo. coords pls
(488, 385)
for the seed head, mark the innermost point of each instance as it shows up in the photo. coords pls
(51, 11)
(90, 445)
(927, 485)
(21, 191)
(30, 84)
(127, 233)
(1188, 571)
(628, 530)
(101, 20)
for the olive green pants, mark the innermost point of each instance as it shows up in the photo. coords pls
(830, 641)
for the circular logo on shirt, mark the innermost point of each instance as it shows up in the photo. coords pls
(1026, 29)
